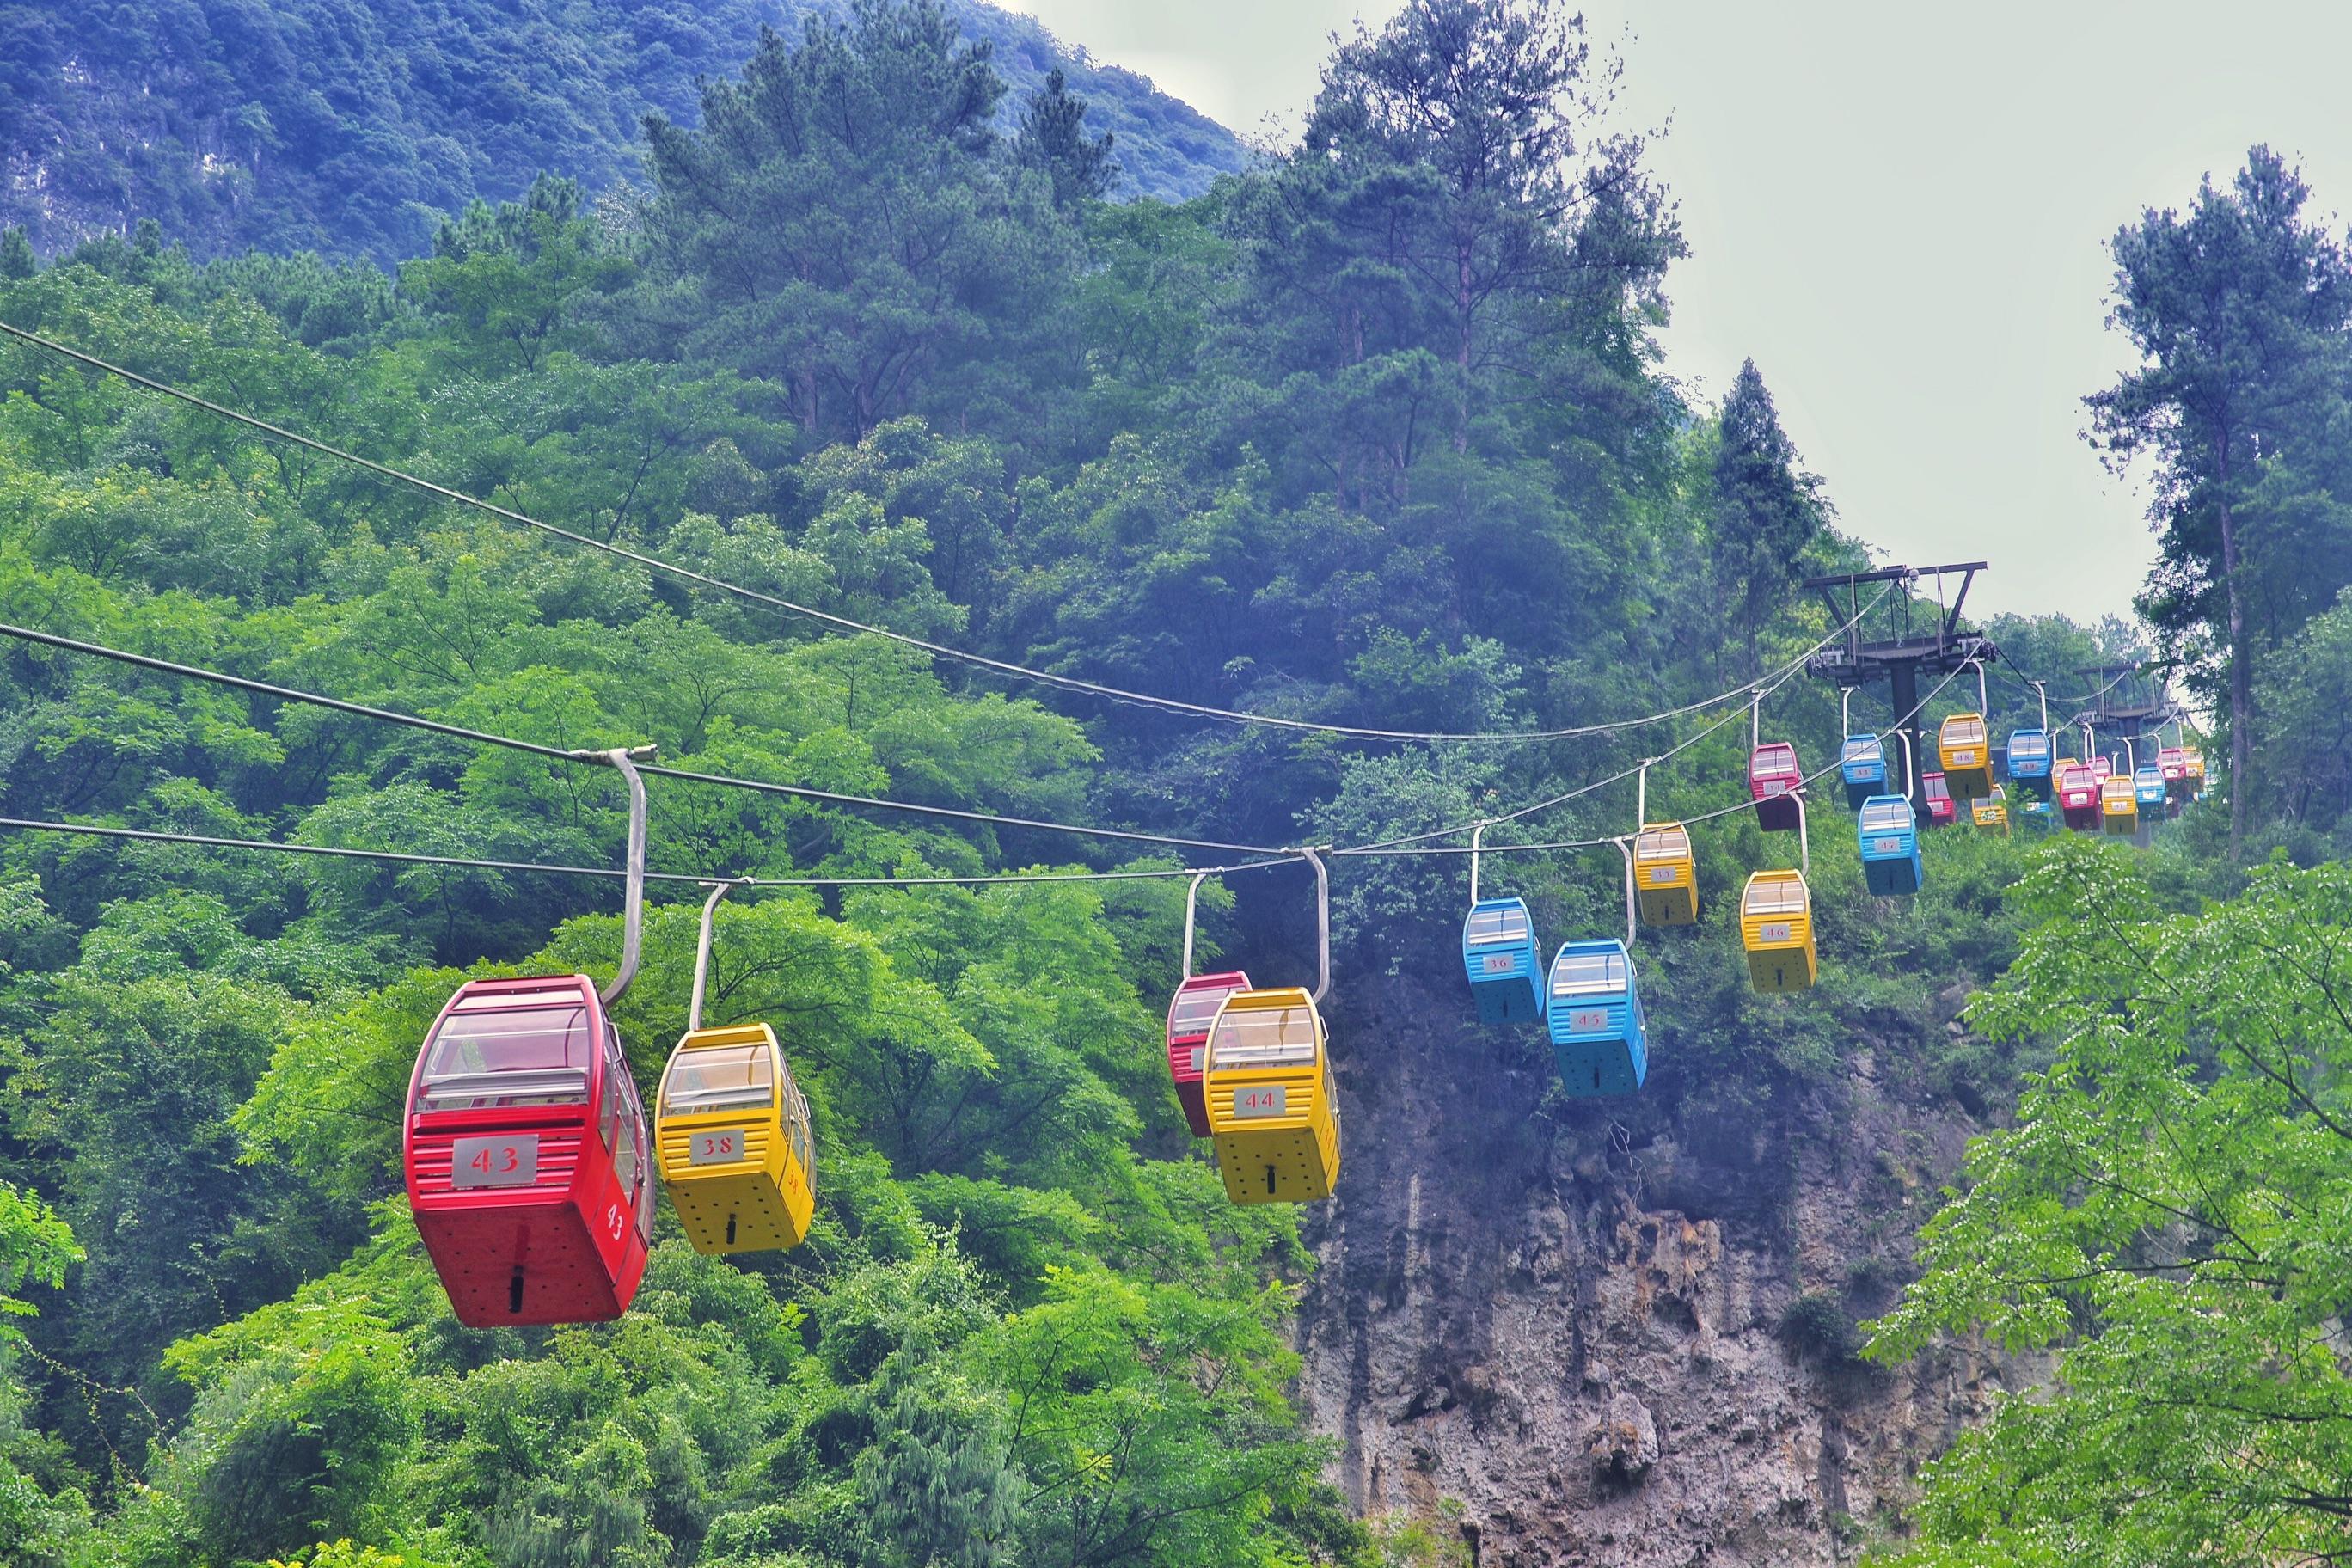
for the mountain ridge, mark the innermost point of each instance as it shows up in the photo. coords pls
(353, 130)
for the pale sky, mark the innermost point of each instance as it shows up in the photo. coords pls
(1900, 212)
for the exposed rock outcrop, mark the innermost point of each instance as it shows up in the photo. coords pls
(1585, 1333)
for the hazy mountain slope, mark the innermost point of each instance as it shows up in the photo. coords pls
(350, 128)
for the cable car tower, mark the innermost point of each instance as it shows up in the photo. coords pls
(2134, 700)
(1920, 643)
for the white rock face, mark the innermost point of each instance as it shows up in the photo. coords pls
(1568, 1316)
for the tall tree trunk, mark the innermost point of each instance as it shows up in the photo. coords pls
(1462, 254)
(2241, 673)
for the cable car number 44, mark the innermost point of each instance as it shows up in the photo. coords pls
(1262, 1100)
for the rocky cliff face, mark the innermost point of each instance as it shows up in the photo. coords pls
(1620, 1340)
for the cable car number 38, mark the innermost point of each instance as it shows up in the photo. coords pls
(717, 1146)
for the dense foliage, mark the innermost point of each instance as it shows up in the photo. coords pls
(1373, 434)
(349, 128)
(2166, 1215)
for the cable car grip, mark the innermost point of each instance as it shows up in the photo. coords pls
(1625, 848)
(1322, 921)
(702, 951)
(633, 917)
(1191, 913)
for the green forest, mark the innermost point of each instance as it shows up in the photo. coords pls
(1371, 435)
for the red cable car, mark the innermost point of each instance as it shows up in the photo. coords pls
(1193, 1009)
(2103, 768)
(1940, 810)
(2078, 796)
(2174, 761)
(527, 1159)
(526, 1156)
(1774, 782)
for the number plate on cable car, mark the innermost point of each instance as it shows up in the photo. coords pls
(1661, 873)
(1198, 1052)
(717, 1146)
(1587, 1021)
(1963, 759)
(1262, 1100)
(1776, 931)
(1886, 847)
(1501, 963)
(503, 1160)
(1776, 786)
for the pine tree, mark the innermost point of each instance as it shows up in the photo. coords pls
(1767, 509)
(1053, 139)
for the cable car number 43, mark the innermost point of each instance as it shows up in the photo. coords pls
(504, 1160)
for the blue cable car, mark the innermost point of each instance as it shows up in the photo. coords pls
(1890, 846)
(1596, 1020)
(2029, 761)
(1498, 952)
(1862, 766)
(2148, 783)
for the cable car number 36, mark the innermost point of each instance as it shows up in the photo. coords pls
(502, 1160)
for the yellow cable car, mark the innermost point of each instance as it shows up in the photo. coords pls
(2192, 768)
(1776, 926)
(1665, 877)
(1272, 1113)
(731, 1131)
(2120, 805)
(1993, 811)
(1966, 754)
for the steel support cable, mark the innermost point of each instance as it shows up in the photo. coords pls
(1406, 847)
(1916, 709)
(211, 841)
(1779, 679)
(2026, 683)
(202, 840)
(843, 623)
(556, 753)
